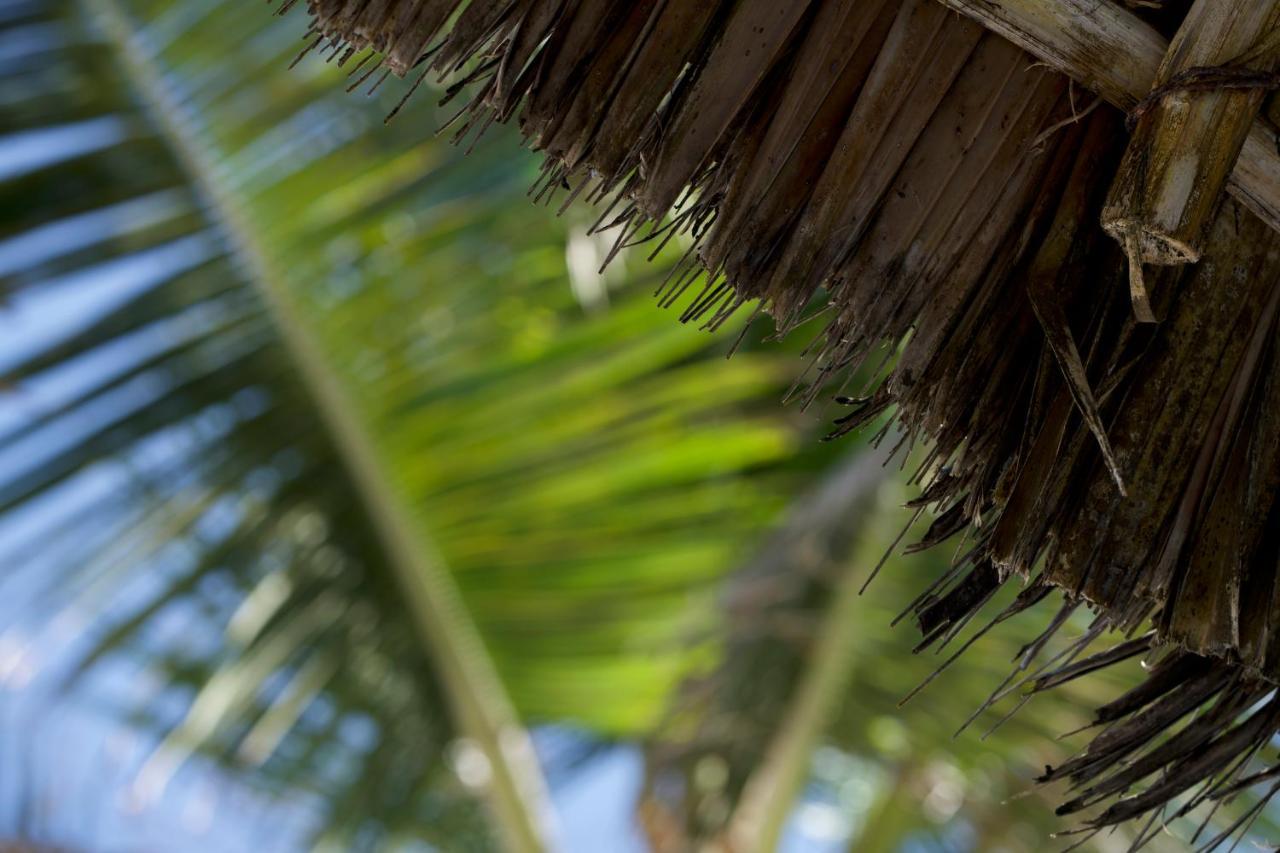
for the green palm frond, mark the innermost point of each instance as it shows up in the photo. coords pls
(474, 449)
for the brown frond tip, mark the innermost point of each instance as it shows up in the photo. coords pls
(937, 186)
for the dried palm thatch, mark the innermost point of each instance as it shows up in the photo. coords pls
(942, 190)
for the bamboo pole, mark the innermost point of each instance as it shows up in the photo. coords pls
(1111, 51)
(1189, 133)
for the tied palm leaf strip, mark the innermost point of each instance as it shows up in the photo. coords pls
(942, 190)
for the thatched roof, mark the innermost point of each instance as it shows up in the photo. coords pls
(939, 192)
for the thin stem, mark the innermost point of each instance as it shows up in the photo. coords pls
(769, 796)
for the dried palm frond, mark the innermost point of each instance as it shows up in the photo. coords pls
(942, 191)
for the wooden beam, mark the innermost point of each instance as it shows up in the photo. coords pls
(1108, 49)
(1185, 144)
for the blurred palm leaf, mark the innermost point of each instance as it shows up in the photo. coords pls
(806, 713)
(805, 698)
(173, 260)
